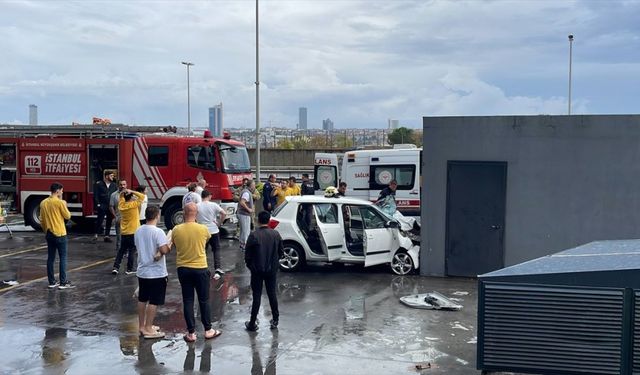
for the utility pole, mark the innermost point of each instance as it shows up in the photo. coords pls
(188, 64)
(570, 63)
(257, 98)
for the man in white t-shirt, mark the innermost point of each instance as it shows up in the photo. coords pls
(113, 207)
(145, 202)
(191, 196)
(245, 212)
(211, 214)
(201, 185)
(152, 272)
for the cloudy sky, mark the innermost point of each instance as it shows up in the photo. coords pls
(356, 62)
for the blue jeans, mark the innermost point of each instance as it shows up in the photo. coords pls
(58, 244)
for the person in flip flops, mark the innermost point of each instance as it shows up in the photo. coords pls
(152, 272)
(191, 239)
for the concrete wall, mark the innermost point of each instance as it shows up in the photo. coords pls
(571, 179)
(294, 158)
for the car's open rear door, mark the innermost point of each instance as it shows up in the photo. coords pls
(331, 231)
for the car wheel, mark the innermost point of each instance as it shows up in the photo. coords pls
(402, 263)
(292, 257)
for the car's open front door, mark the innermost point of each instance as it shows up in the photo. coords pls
(378, 239)
(377, 247)
(331, 231)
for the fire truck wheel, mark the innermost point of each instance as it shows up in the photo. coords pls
(32, 213)
(173, 215)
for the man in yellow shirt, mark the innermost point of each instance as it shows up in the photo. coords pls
(53, 213)
(293, 188)
(280, 192)
(129, 208)
(191, 239)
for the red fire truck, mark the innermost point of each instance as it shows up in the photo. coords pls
(77, 156)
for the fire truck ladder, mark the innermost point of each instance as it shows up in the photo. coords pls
(81, 131)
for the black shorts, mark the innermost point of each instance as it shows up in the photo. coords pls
(152, 290)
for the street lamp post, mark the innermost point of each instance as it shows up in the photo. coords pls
(188, 65)
(570, 63)
(257, 100)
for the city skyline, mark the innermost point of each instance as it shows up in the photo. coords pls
(358, 62)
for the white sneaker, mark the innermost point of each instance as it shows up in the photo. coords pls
(66, 285)
(54, 285)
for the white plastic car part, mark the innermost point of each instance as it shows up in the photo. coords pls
(430, 301)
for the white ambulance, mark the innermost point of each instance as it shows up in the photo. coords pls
(367, 172)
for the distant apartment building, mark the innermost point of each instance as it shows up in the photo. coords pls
(215, 120)
(394, 124)
(33, 114)
(327, 124)
(302, 118)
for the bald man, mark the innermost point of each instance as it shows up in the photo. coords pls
(191, 239)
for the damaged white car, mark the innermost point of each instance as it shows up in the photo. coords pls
(341, 230)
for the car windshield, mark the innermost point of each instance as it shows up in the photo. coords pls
(235, 159)
(385, 214)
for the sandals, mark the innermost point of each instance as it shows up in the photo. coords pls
(212, 334)
(155, 328)
(190, 337)
(157, 335)
(208, 335)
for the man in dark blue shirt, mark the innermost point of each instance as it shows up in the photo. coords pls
(268, 200)
(307, 185)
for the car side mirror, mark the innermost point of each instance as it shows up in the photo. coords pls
(391, 224)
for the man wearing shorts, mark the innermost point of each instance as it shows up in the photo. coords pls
(152, 244)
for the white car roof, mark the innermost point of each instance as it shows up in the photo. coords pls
(322, 199)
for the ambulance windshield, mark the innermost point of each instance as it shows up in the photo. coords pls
(234, 159)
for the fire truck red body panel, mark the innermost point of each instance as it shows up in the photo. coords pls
(162, 162)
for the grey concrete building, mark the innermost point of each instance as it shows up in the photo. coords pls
(216, 124)
(302, 118)
(500, 190)
(327, 124)
(33, 114)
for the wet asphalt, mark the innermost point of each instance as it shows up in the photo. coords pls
(334, 320)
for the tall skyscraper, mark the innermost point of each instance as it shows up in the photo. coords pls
(215, 120)
(302, 118)
(327, 124)
(393, 124)
(33, 114)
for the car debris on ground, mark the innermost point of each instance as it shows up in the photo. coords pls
(430, 301)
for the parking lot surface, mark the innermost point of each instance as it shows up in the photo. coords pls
(334, 320)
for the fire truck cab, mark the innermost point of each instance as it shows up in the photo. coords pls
(77, 156)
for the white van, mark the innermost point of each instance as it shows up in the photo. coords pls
(367, 172)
